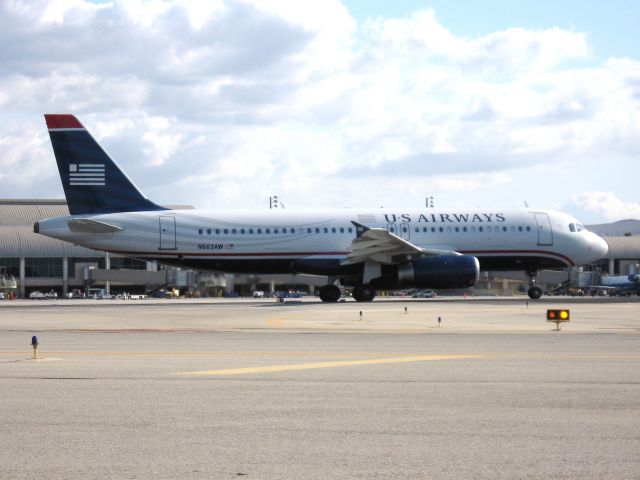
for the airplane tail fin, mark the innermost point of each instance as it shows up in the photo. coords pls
(92, 181)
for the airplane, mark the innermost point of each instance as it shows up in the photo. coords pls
(369, 249)
(622, 284)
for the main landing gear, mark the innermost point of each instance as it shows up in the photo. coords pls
(534, 291)
(330, 293)
(363, 293)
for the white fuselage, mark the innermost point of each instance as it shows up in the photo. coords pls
(287, 240)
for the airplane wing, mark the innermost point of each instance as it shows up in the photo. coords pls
(379, 245)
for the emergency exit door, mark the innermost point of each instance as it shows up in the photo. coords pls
(167, 232)
(402, 230)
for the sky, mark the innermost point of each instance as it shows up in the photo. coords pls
(329, 104)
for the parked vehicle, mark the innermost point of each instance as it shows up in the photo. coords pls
(424, 294)
(98, 294)
(36, 295)
(136, 296)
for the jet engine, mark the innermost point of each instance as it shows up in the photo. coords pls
(440, 271)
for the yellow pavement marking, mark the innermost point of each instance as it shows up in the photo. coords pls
(275, 322)
(310, 366)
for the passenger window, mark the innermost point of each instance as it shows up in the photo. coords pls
(504, 229)
(293, 230)
(473, 229)
(217, 231)
(448, 229)
(251, 230)
(433, 229)
(233, 230)
(242, 231)
(441, 229)
(513, 229)
(350, 230)
(519, 229)
(457, 229)
(200, 231)
(275, 230)
(341, 229)
(226, 231)
(317, 230)
(208, 231)
(333, 230)
(259, 231)
(417, 229)
(464, 229)
(326, 230)
(528, 229)
(480, 229)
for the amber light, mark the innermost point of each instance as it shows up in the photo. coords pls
(558, 315)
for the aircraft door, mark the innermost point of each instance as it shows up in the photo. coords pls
(167, 232)
(545, 234)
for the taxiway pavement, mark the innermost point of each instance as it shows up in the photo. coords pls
(179, 389)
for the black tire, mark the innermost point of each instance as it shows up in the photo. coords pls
(356, 293)
(364, 293)
(330, 293)
(535, 293)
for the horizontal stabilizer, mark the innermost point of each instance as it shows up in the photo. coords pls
(87, 225)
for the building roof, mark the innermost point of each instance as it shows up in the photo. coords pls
(20, 241)
(623, 247)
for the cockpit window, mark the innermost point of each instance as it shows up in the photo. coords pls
(580, 227)
(572, 227)
(576, 227)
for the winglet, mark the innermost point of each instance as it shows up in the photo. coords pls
(360, 229)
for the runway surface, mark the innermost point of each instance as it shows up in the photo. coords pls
(209, 390)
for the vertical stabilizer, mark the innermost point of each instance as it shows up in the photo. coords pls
(92, 181)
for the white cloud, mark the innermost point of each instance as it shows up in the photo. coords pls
(231, 101)
(607, 204)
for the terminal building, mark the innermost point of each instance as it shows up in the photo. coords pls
(30, 262)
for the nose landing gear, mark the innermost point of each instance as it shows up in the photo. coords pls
(534, 291)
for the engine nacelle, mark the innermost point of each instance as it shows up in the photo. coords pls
(440, 271)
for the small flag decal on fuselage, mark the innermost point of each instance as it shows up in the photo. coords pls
(91, 174)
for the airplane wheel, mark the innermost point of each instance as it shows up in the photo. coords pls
(330, 293)
(363, 293)
(356, 293)
(535, 293)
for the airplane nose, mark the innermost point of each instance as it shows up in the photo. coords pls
(599, 246)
